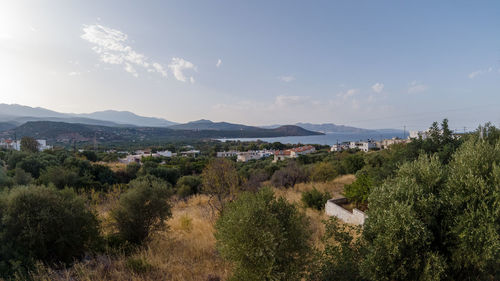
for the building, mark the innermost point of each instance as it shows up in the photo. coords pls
(339, 147)
(191, 153)
(247, 156)
(16, 145)
(384, 144)
(362, 145)
(131, 158)
(230, 153)
(293, 153)
(419, 134)
(165, 153)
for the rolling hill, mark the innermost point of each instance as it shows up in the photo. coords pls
(61, 132)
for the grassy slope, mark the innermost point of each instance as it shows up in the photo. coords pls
(186, 251)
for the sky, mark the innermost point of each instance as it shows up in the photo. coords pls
(371, 64)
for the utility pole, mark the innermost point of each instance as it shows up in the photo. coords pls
(404, 131)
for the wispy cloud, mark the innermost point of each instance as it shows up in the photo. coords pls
(178, 66)
(74, 73)
(111, 45)
(378, 87)
(219, 63)
(286, 78)
(417, 87)
(347, 94)
(476, 73)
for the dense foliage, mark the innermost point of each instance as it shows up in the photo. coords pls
(142, 209)
(266, 238)
(39, 223)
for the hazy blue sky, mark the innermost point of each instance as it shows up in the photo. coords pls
(363, 63)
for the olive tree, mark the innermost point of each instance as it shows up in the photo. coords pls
(220, 181)
(142, 209)
(266, 238)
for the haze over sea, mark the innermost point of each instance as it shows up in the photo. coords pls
(326, 139)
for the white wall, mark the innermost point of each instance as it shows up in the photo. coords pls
(334, 210)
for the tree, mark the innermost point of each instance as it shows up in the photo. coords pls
(142, 209)
(471, 204)
(360, 189)
(188, 185)
(29, 144)
(59, 176)
(435, 221)
(402, 232)
(220, 181)
(266, 238)
(341, 256)
(315, 198)
(289, 175)
(352, 163)
(21, 177)
(323, 171)
(43, 224)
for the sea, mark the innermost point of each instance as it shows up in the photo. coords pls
(326, 139)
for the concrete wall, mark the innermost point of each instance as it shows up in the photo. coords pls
(333, 208)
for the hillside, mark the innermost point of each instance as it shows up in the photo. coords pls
(61, 132)
(21, 114)
(127, 117)
(209, 125)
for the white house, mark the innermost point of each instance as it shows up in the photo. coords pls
(247, 156)
(293, 153)
(362, 145)
(230, 153)
(339, 147)
(418, 134)
(165, 153)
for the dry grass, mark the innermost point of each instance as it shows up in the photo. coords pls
(186, 250)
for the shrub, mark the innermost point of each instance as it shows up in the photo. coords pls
(323, 171)
(315, 198)
(188, 185)
(138, 265)
(341, 256)
(142, 209)
(360, 189)
(44, 224)
(352, 163)
(220, 182)
(59, 176)
(255, 180)
(289, 175)
(186, 223)
(21, 177)
(266, 238)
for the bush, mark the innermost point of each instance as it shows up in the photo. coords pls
(138, 265)
(289, 176)
(360, 189)
(266, 238)
(142, 209)
(352, 163)
(21, 177)
(188, 185)
(184, 191)
(342, 253)
(220, 182)
(44, 224)
(59, 176)
(315, 198)
(323, 171)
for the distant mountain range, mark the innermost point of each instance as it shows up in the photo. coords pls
(61, 132)
(218, 126)
(13, 115)
(328, 128)
(20, 114)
